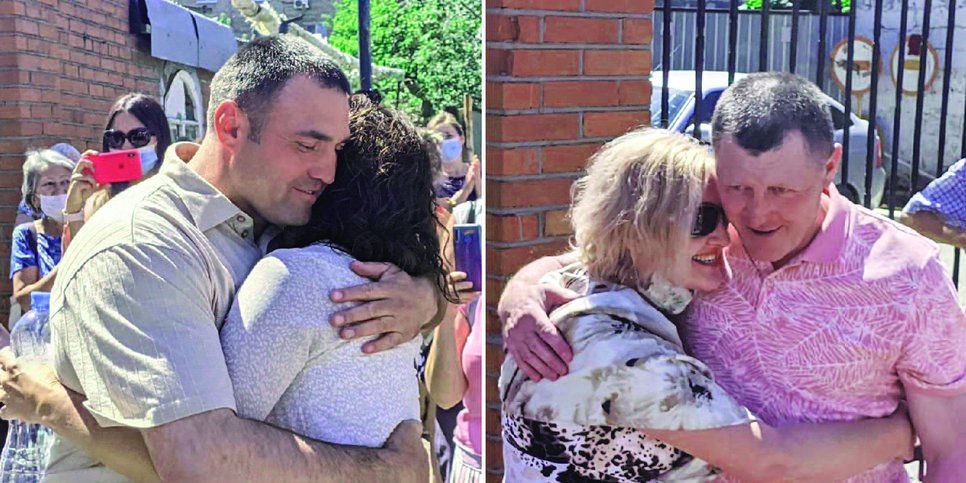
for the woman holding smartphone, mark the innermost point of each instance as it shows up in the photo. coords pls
(136, 121)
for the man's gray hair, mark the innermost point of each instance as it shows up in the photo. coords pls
(759, 110)
(37, 162)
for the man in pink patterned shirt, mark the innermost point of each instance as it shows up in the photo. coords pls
(830, 313)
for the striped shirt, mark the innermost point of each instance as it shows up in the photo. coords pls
(138, 303)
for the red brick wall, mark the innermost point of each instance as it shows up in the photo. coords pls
(62, 65)
(562, 78)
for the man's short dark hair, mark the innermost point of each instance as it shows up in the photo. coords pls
(759, 110)
(383, 192)
(255, 74)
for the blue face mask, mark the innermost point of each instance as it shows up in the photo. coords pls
(451, 149)
(149, 159)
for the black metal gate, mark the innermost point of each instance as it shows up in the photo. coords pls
(683, 27)
(752, 27)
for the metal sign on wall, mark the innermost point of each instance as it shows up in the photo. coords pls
(915, 54)
(862, 68)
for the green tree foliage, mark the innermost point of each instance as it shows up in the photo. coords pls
(224, 19)
(436, 42)
(842, 6)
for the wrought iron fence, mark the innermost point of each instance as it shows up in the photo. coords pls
(822, 44)
(893, 142)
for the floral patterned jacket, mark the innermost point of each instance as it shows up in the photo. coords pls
(629, 373)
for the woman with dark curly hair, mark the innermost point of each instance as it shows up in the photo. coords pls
(290, 366)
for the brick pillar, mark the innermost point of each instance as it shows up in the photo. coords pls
(562, 78)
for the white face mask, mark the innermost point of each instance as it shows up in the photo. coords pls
(451, 149)
(149, 158)
(53, 206)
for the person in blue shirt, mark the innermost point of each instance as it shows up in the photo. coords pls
(939, 210)
(35, 248)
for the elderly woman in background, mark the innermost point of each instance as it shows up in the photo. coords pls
(24, 212)
(649, 230)
(35, 249)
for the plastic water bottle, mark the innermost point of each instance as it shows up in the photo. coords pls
(25, 454)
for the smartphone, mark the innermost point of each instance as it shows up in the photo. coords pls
(467, 246)
(117, 166)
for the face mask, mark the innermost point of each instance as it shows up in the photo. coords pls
(53, 206)
(452, 149)
(149, 158)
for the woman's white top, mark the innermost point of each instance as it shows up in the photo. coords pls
(290, 368)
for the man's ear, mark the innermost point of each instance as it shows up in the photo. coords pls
(832, 164)
(231, 125)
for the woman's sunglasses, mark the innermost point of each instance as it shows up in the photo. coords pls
(707, 220)
(139, 137)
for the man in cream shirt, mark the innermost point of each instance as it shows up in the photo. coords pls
(146, 284)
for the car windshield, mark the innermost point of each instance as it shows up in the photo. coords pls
(676, 99)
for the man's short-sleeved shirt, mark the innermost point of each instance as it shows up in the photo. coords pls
(138, 302)
(946, 196)
(865, 314)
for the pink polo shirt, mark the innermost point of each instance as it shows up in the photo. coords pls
(863, 315)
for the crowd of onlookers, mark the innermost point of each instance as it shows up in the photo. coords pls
(385, 162)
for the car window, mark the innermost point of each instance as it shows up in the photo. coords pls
(676, 100)
(839, 121)
(707, 106)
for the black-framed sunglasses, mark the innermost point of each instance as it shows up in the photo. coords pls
(707, 220)
(139, 137)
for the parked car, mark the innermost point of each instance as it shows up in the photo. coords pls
(681, 87)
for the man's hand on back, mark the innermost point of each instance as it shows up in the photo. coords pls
(534, 342)
(395, 306)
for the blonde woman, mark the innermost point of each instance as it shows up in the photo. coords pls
(649, 230)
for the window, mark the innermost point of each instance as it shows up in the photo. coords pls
(182, 105)
(839, 121)
(707, 106)
(676, 100)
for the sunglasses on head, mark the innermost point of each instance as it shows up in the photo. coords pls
(139, 137)
(707, 220)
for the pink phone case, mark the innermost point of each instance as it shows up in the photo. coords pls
(117, 166)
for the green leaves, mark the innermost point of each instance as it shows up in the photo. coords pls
(438, 43)
(842, 6)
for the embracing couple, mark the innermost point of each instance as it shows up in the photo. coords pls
(810, 339)
(179, 371)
